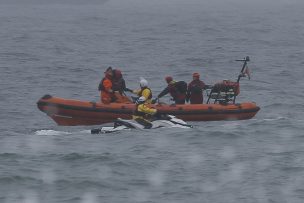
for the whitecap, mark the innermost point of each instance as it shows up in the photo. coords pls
(51, 132)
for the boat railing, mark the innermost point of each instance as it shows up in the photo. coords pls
(225, 92)
(221, 97)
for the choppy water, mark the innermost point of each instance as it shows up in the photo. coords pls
(62, 48)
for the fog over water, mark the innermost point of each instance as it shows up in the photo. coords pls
(63, 47)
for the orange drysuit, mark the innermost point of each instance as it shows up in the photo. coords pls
(106, 92)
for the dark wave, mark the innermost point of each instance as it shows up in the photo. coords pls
(86, 157)
(17, 179)
(10, 156)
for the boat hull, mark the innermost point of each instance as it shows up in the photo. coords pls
(69, 112)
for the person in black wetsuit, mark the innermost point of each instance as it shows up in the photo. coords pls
(177, 90)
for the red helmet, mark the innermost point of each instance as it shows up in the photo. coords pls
(196, 75)
(168, 79)
(117, 74)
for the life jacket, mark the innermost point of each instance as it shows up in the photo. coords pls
(138, 113)
(181, 86)
(178, 90)
(101, 87)
(196, 87)
(117, 74)
(118, 85)
(117, 81)
(145, 112)
(140, 92)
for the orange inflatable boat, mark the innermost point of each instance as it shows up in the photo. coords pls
(70, 112)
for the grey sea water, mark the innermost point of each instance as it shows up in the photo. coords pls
(62, 48)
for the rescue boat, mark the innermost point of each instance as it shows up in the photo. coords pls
(70, 112)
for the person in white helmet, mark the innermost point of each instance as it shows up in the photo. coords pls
(142, 113)
(144, 90)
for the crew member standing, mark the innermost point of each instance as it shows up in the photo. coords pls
(195, 90)
(119, 87)
(105, 87)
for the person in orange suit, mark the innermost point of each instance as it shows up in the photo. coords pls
(105, 87)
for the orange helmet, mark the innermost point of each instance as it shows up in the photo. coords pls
(196, 75)
(168, 79)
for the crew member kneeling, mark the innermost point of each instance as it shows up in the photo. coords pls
(143, 113)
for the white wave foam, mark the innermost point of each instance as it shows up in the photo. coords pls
(231, 125)
(54, 132)
(274, 119)
(85, 131)
(51, 132)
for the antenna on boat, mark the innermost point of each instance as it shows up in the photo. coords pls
(226, 91)
(243, 71)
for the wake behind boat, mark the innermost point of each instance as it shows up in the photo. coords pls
(165, 121)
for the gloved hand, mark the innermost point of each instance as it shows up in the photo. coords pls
(154, 100)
